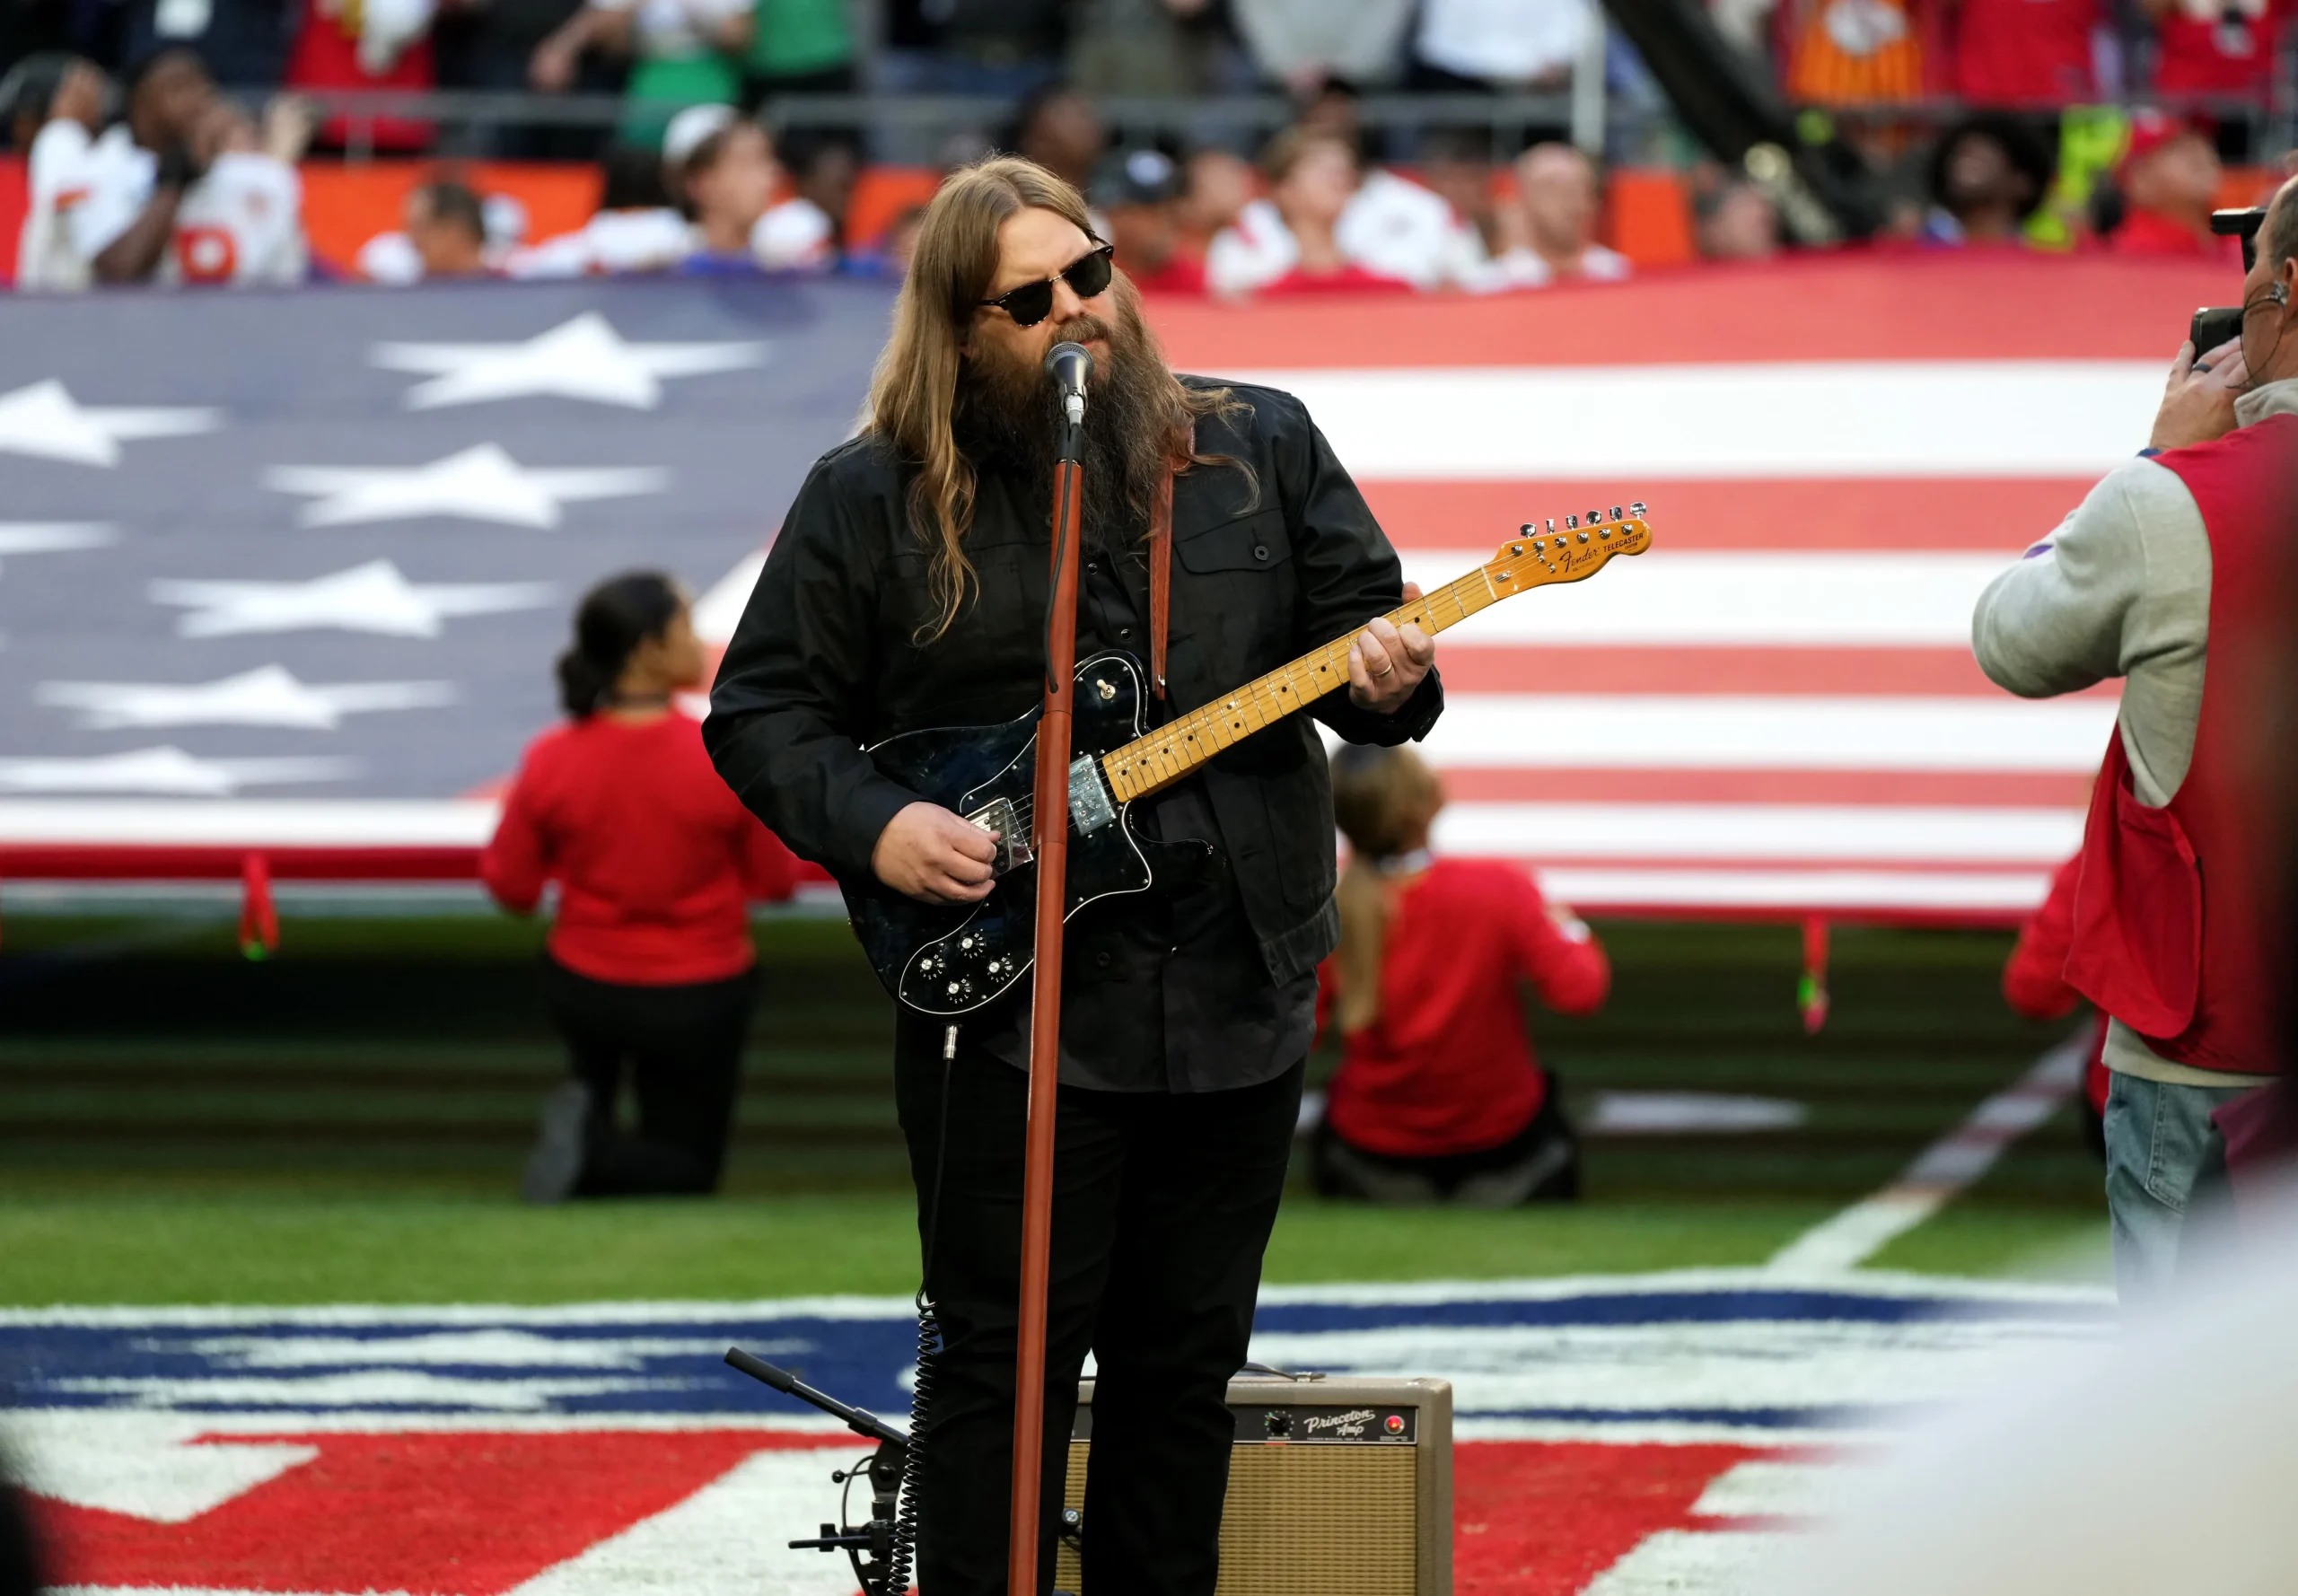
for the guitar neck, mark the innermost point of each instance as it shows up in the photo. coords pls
(1149, 763)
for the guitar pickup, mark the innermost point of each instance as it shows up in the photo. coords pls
(1090, 809)
(1004, 822)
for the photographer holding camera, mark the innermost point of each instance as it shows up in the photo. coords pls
(2170, 575)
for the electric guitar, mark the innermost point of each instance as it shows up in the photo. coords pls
(950, 960)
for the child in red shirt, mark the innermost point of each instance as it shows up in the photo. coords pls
(648, 969)
(1438, 1095)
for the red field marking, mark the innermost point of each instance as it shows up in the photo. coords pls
(1811, 672)
(1871, 305)
(2003, 516)
(1543, 1519)
(453, 1514)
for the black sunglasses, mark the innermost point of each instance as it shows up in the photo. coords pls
(1032, 302)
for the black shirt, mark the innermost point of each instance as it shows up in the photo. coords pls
(1214, 986)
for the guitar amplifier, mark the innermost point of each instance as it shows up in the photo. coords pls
(1339, 1487)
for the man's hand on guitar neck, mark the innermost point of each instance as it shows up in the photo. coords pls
(1385, 665)
(935, 856)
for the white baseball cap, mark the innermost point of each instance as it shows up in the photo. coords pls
(689, 128)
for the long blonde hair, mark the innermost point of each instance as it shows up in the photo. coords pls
(1382, 799)
(913, 391)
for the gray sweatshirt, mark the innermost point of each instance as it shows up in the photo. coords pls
(2122, 589)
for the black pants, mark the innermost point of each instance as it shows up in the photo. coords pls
(681, 1050)
(1162, 1207)
(1539, 1163)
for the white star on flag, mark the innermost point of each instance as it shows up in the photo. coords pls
(267, 696)
(169, 770)
(51, 536)
(370, 598)
(43, 419)
(582, 359)
(482, 482)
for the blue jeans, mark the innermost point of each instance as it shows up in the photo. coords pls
(2160, 1146)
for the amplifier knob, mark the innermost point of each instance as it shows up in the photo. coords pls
(1277, 1422)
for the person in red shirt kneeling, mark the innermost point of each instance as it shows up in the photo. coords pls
(648, 971)
(1440, 1096)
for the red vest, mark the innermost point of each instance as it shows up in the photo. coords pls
(2176, 933)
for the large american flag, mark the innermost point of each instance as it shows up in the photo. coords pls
(285, 573)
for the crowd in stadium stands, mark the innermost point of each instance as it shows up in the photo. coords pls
(184, 186)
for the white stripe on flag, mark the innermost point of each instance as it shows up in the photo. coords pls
(1510, 731)
(1809, 418)
(1814, 598)
(1971, 892)
(1789, 832)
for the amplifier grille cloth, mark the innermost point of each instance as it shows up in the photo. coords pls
(1334, 1520)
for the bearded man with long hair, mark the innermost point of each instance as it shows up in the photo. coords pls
(908, 588)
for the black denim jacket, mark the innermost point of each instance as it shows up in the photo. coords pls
(827, 657)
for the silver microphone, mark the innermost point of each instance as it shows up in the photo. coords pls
(1071, 366)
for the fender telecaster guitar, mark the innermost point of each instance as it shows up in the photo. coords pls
(951, 960)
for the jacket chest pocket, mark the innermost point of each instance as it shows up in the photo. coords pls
(1235, 608)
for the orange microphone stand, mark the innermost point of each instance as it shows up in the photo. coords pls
(1051, 844)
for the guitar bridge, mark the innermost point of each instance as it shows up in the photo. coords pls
(1004, 822)
(1088, 799)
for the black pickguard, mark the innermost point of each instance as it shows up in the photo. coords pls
(952, 960)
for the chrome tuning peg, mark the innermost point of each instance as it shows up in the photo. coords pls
(1637, 510)
(1616, 514)
(1571, 523)
(1594, 516)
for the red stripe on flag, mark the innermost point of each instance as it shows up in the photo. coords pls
(1874, 306)
(1911, 515)
(1846, 672)
(1950, 788)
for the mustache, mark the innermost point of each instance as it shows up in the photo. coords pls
(1084, 329)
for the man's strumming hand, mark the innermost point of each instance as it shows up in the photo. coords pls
(1386, 664)
(2199, 403)
(935, 856)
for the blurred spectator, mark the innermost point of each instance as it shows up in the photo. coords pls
(687, 52)
(1440, 1095)
(1152, 46)
(1989, 174)
(1290, 241)
(2225, 47)
(1552, 228)
(638, 226)
(1009, 47)
(1217, 184)
(1735, 221)
(2034, 987)
(798, 46)
(2028, 54)
(1057, 127)
(491, 44)
(650, 972)
(891, 254)
(726, 183)
(184, 190)
(2169, 181)
(52, 86)
(1496, 44)
(445, 236)
(242, 44)
(1852, 52)
(1302, 44)
(1457, 166)
(824, 171)
(1139, 195)
(366, 45)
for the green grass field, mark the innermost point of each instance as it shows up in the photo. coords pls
(345, 1123)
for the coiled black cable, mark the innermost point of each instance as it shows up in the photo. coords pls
(929, 1352)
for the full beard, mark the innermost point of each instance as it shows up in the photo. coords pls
(1007, 418)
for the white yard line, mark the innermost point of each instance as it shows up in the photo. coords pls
(1946, 1168)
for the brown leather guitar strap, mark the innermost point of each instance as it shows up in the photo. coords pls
(1161, 572)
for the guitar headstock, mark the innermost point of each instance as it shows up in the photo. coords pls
(1543, 552)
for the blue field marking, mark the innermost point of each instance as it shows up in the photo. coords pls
(1703, 1350)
